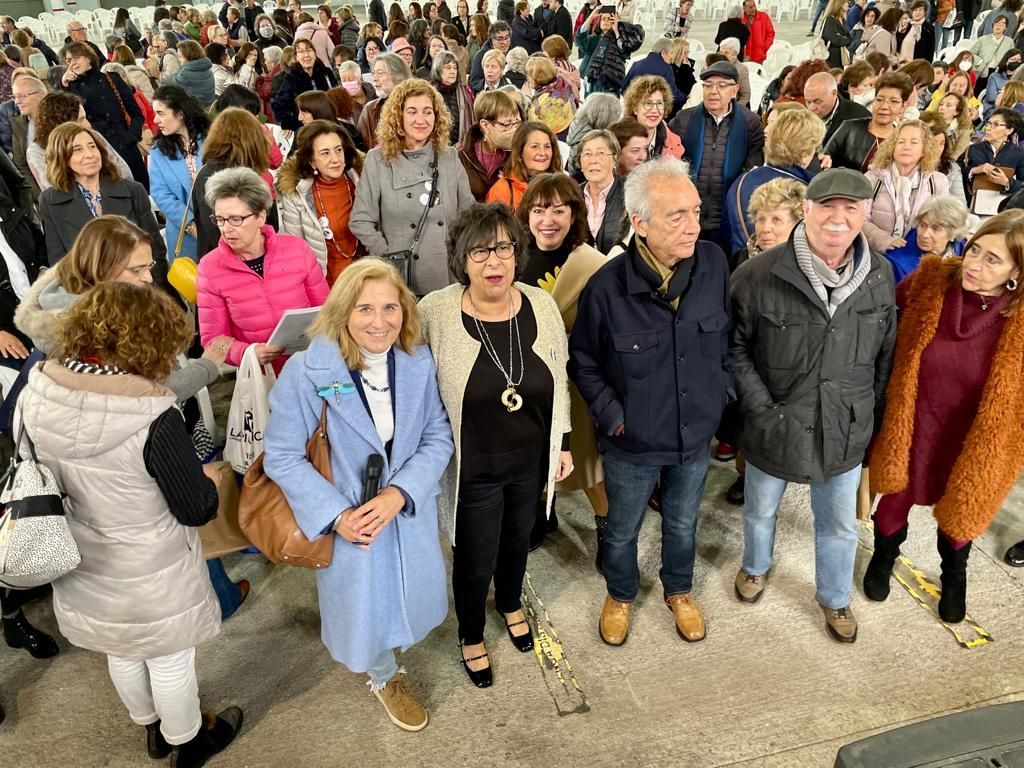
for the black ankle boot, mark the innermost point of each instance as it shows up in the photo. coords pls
(20, 634)
(876, 577)
(156, 746)
(602, 524)
(953, 601)
(216, 733)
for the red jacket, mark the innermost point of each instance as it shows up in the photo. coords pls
(234, 301)
(762, 35)
(147, 111)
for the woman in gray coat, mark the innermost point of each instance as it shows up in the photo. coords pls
(397, 186)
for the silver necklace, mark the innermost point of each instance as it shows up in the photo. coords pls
(511, 399)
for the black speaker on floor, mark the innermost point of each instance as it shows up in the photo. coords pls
(992, 737)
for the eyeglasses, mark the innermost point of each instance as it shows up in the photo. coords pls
(649, 105)
(994, 124)
(234, 221)
(717, 86)
(140, 270)
(504, 250)
(594, 154)
(893, 102)
(502, 39)
(507, 126)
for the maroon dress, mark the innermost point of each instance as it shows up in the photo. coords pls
(954, 370)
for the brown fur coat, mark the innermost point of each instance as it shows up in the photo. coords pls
(993, 453)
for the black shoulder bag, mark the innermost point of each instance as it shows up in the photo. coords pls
(403, 259)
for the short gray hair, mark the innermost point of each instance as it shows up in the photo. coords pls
(346, 66)
(945, 211)
(641, 179)
(396, 67)
(734, 11)
(599, 110)
(243, 183)
(272, 54)
(38, 86)
(607, 136)
(443, 59)
(515, 60)
(732, 43)
(662, 44)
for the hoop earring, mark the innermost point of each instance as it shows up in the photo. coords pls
(1011, 284)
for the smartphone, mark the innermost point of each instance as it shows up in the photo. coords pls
(608, 9)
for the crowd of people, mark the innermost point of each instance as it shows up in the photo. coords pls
(542, 263)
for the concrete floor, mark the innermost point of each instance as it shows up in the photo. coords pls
(768, 688)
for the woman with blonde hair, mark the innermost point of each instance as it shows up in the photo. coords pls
(836, 34)
(385, 588)
(141, 595)
(947, 165)
(493, 66)
(317, 190)
(904, 173)
(137, 76)
(953, 110)
(413, 175)
(86, 184)
(952, 441)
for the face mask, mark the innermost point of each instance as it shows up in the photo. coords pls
(1011, 66)
(965, 65)
(352, 86)
(865, 99)
(267, 32)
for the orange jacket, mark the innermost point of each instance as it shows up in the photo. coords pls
(508, 190)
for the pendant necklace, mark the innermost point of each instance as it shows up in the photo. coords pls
(510, 398)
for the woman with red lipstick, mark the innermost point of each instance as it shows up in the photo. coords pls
(649, 100)
(952, 434)
(501, 352)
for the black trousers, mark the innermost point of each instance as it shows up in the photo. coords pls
(492, 538)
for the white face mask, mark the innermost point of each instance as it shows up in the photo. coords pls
(965, 65)
(864, 99)
(267, 32)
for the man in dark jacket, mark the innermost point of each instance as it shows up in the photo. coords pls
(77, 33)
(657, 62)
(722, 139)
(558, 21)
(500, 37)
(506, 10)
(813, 345)
(377, 14)
(649, 354)
(821, 96)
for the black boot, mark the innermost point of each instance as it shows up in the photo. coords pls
(20, 634)
(601, 522)
(953, 601)
(216, 733)
(156, 747)
(1015, 555)
(876, 577)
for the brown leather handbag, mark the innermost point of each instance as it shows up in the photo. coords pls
(269, 523)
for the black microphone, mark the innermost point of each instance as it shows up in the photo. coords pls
(371, 481)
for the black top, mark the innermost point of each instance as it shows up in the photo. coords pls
(522, 436)
(256, 265)
(171, 459)
(539, 263)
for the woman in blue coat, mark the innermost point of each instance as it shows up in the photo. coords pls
(175, 162)
(385, 588)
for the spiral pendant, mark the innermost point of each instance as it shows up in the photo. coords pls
(511, 399)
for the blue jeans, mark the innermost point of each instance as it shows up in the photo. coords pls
(834, 506)
(941, 36)
(817, 13)
(629, 487)
(228, 594)
(384, 668)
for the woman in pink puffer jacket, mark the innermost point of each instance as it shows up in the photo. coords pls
(246, 283)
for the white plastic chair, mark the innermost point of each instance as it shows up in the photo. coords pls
(758, 85)
(786, 7)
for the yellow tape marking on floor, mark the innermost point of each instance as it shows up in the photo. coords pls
(551, 654)
(927, 593)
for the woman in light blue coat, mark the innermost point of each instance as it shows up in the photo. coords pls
(385, 588)
(175, 162)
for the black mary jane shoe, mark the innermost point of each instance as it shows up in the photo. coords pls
(481, 678)
(523, 643)
(1015, 555)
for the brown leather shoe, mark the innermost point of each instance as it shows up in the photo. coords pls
(749, 588)
(841, 624)
(614, 624)
(689, 620)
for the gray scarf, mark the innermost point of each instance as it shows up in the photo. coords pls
(819, 274)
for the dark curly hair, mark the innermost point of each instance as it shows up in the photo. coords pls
(137, 328)
(189, 111)
(478, 225)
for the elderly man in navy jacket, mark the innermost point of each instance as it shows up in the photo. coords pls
(657, 62)
(650, 355)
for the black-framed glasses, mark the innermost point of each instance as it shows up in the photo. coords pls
(234, 221)
(504, 250)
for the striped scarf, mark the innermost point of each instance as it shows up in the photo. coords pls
(817, 272)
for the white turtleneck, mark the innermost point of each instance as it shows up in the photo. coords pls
(376, 373)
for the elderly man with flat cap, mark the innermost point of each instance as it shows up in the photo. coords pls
(815, 326)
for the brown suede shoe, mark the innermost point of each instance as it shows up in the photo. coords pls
(402, 707)
(841, 624)
(689, 621)
(614, 624)
(749, 588)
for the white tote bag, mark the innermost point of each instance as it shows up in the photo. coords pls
(249, 412)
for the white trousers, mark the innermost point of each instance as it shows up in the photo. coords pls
(164, 689)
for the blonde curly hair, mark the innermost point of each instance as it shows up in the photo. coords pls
(929, 159)
(642, 89)
(136, 328)
(390, 130)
